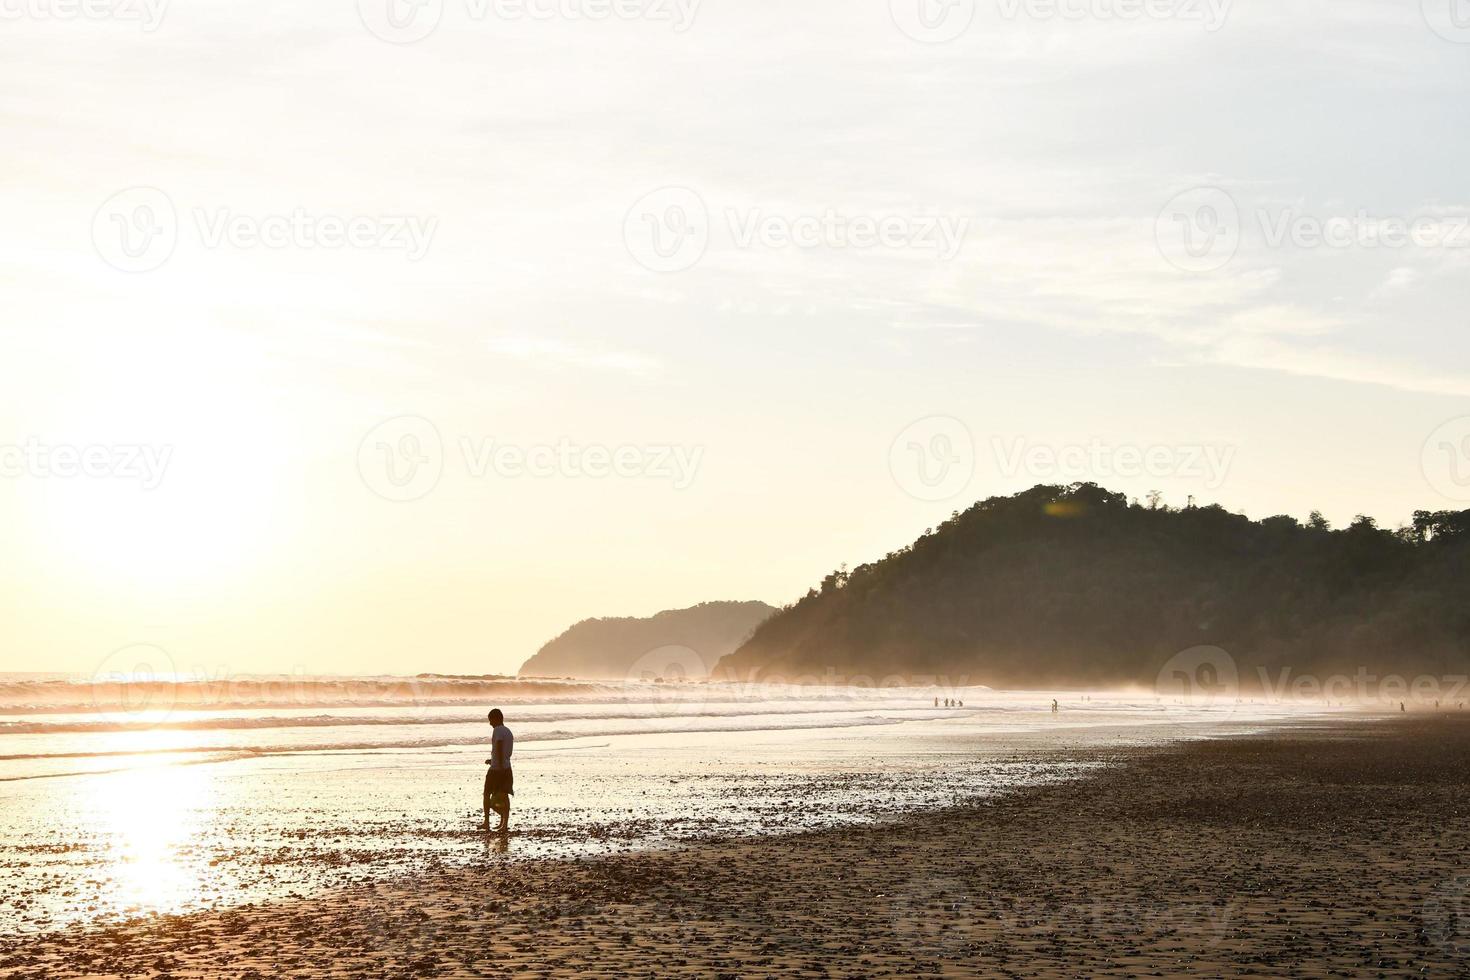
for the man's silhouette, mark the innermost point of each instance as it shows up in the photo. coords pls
(499, 780)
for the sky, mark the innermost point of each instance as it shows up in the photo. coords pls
(395, 337)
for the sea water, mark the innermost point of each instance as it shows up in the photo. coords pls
(169, 800)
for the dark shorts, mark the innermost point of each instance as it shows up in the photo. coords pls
(500, 781)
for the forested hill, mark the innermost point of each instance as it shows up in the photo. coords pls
(1075, 585)
(614, 647)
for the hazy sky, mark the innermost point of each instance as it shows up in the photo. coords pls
(324, 352)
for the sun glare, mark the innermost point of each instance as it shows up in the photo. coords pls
(150, 817)
(185, 479)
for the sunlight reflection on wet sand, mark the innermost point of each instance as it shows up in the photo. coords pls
(151, 820)
(174, 832)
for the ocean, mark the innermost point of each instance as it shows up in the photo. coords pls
(127, 799)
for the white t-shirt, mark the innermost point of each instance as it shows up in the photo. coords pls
(501, 739)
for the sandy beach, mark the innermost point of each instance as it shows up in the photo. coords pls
(550, 489)
(1331, 848)
(237, 806)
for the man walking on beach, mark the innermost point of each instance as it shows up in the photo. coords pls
(499, 780)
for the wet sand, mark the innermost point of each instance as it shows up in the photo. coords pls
(1338, 848)
(180, 832)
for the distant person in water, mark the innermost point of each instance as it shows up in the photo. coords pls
(1054, 706)
(499, 780)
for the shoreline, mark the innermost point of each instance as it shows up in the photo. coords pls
(167, 836)
(1334, 844)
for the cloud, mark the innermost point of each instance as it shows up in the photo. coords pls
(1274, 354)
(560, 353)
(1400, 278)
